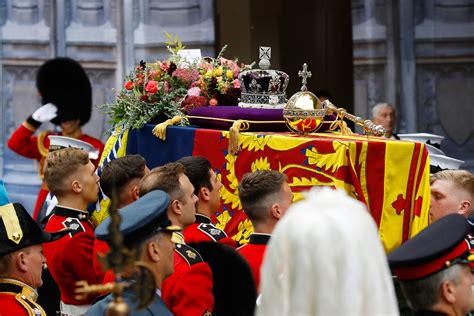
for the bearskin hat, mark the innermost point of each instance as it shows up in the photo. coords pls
(233, 286)
(63, 82)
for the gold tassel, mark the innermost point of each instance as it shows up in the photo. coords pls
(237, 126)
(160, 129)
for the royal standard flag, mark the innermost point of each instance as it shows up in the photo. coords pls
(391, 177)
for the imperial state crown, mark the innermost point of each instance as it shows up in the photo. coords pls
(263, 88)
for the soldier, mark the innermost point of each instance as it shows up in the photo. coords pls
(434, 268)
(123, 173)
(188, 291)
(206, 187)
(21, 260)
(145, 226)
(71, 177)
(452, 191)
(66, 96)
(265, 196)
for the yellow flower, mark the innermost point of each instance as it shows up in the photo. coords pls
(218, 71)
(229, 74)
(208, 74)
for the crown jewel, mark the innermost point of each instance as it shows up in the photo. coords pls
(264, 87)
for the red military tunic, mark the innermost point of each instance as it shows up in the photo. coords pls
(18, 299)
(203, 230)
(253, 252)
(25, 143)
(188, 291)
(69, 259)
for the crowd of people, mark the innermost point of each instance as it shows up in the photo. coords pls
(319, 256)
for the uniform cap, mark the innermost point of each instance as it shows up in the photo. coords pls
(437, 247)
(57, 142)
(18, 230)
(141, 219)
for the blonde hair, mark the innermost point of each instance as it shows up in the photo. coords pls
(325, 258)
(60, 164)
(462, 178)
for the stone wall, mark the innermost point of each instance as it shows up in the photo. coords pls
(418, 55)
(32, 31)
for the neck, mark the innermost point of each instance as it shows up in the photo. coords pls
(74, 134)
(73, 202)
(203, 209)
(445, 308)
(263, 228)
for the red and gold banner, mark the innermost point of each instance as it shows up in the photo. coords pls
(390, 177)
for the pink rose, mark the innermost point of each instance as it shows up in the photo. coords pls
(236, 84)
(194, 92)
(151, 86)
(128, 85)
(213, 102)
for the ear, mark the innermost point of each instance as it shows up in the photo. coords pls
(275, 211)
(135, 193)
(21, 261)
(76, 186)
(465, 207)
(448, 291)
(176, 207)
(204, 194)
(153, 251)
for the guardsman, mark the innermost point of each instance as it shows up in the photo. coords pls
(265, 196)
(66, 96)
(123, 173)
(188, 291)
(144, 226)
(206, 187)
(435, 268)
(71, 177)
(21, 260)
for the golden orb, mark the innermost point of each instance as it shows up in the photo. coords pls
(304, 113)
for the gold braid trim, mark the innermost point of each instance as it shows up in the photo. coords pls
(237, 126)
(231, 121)
(41, 148)
(29, 126)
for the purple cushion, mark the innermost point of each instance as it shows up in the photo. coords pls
(209, 115)
(269, 120)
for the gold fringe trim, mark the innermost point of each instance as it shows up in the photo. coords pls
(160, 129)
(234, 132)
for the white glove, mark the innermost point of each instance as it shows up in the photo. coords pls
(45, 113)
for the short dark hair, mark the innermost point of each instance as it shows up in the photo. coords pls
(422, 294)
(197, 169)
(60, 164)
(256, 192)
(165, 178)
(119, 172)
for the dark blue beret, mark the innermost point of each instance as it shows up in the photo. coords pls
(435, 248)
(141, 219)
